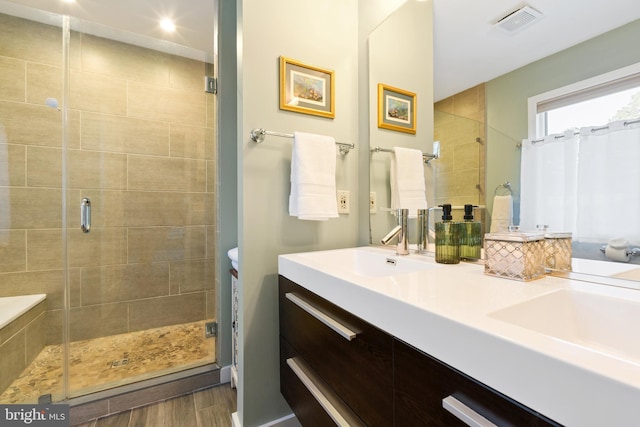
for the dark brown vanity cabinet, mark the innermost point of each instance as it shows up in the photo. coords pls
(337, 369)
(352, 358)
(424, 386)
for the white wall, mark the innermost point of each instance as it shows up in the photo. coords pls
(321, 33)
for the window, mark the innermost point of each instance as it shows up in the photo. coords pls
(593, 102)
(579, 167)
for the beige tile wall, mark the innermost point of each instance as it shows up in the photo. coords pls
(141, 147)
(459, 121)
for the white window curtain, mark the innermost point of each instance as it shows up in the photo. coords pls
(586, 183)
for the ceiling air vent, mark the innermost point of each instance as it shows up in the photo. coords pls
(518, 20)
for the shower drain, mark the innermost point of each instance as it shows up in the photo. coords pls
(120, 362)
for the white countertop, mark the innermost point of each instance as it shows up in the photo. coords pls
(444, 311)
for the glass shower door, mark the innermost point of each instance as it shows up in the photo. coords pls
(112, 127)
(140, 163)
(31, 263)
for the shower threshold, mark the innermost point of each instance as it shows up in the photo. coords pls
(98, 364)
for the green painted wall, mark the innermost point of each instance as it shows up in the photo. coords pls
(506, 96)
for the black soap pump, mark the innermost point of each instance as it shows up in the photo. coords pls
(470, 235)
(447, 238)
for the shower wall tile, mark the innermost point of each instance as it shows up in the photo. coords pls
(164, 104)
(95, 169)
(13, 254)
(44, 249)
(166, 243)
(126, 61)
(97, 321)
(44, 167)
(43, 81)
(12, 362)
(211, 305)
(124, 135)
(164, 311)
(126, 282)
(54, 320)
(41, 282)
(187, 74)
(192, 275)
(211, 242)
(101, 94)
(85, 169)
(31, 208)
(192, 142)
(24, 39)
(37, 125)
(212, 185)
(102, 246)
(35, 337)
(12, 79)
(16, 158)
(466, 156)
(211, 110)
(166, 174)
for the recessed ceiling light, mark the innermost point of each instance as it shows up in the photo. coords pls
(167, 25)
(68, 1)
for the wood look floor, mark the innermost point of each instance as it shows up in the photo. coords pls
(211, 407)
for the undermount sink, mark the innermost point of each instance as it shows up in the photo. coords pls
(368, 262)
(600, 323)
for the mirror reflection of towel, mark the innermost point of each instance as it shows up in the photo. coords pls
(313, 177)
(502, 215)
(407, 180)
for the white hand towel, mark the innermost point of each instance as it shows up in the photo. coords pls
(313, 177)
(233, 256)
(502, 216)
(407, 180)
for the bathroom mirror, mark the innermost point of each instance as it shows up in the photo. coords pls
(494, 139)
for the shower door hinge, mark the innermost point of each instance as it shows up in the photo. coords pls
(210, 84)
(211, 329)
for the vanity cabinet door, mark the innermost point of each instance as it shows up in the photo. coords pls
(313, 402)
(422, 382)
(358, 370)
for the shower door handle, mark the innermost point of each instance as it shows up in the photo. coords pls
(85, 215)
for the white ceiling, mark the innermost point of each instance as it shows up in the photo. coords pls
(468, 49)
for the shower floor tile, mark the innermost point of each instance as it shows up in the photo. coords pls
(107, 362)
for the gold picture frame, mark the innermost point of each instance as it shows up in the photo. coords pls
(306, 89)
(396, 109)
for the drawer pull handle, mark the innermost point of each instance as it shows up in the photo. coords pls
(337, 327)
(464, 413)
(317, 394)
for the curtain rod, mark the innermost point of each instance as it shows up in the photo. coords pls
(257, 135)
(626, 123)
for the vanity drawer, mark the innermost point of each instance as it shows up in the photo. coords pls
(422, 383)
(313, 402)
(359, 371)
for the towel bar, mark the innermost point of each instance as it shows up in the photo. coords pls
(257, 135)
(426, 156)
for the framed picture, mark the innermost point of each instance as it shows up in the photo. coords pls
(306, 89)
(396, 109)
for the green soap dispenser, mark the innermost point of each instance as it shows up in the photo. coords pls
(447, 238)
(470, 235)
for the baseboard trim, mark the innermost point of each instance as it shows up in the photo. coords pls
(225, 374)
(286, 421)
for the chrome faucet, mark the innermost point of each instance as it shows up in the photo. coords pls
(400, 230)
